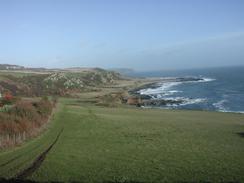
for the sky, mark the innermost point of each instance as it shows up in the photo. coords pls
(138, 34)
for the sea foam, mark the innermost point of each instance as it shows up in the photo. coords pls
(166, 89)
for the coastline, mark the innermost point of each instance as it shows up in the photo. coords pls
(146, 100)
(161, 93)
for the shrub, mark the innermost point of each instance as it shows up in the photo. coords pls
(22, 120)
(5, 108)
(43, 107)
(7, 99)
(54, 99)
(44, 98)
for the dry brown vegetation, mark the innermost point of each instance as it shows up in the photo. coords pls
(55, 83)
(23, 120)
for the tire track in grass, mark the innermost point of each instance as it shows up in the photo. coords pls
(4, 166)
(15, 158)
(19, 156)
(37, 162)
(11, 160)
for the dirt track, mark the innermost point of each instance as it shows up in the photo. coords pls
(37, 162)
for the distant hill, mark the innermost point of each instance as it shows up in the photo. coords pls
(54, 82)
(123, 71)
(11, 67)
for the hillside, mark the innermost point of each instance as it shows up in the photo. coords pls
(96, 137)
(124, 71)
(55, 82)
(11, 67)
(87, 143)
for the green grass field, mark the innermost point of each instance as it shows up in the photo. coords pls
(100, 144)
(3, 74)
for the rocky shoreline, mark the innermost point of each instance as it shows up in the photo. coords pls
(138, 99)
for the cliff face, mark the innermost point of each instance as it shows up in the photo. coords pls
(57, 83)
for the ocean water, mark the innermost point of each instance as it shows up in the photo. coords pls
(222, 89)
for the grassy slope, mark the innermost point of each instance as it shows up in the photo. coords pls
(128, 144)
(14, 160)
(15, 74)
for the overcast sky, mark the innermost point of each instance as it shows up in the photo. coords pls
(139, 34)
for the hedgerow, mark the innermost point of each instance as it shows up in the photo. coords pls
(23, 120)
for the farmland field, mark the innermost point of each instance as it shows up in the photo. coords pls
(127, 144)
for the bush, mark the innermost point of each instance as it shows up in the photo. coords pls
(7, 99)
(23, 119)
(44, 107)
(54, 99)
(5, 108)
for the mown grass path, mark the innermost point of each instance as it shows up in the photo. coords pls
(101, 144)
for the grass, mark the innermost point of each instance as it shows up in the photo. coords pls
(101, 144)
(15, 74)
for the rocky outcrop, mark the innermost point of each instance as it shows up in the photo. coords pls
(134, 101)
(58, 83)
(161, 102)
(137, 101)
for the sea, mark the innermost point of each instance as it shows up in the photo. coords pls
(220, 89)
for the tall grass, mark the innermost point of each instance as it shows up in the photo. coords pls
(23, 120)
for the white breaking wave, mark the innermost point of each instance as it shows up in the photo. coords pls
(239, 112)
(160, 90)
(164, 89)
(185, 101)
(207, 79)
(193, 101)
(220, 105)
